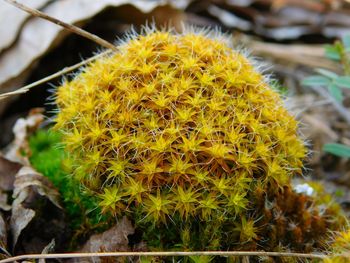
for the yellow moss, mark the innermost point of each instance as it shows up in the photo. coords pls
(168, 103)
(179, 126)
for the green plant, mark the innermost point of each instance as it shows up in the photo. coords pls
(338, 52)
(337, 149)
(180, 133)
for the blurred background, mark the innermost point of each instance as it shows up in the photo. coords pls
(294, 37)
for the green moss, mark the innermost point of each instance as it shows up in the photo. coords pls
(50, 159)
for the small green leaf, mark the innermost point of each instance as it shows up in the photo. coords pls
(336, 92)
(326, 73)
(342, 81)
(337, 149)
(316, 80)
(332, 52)
(346, 41)
(339, 193)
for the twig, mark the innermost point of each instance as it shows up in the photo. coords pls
(55, 75)
(67, 26)
(165, 254)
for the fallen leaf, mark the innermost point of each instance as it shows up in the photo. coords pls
(3, 201)
(19, 148)
(280, 19)
(6, 125)
(114, 239)
(8, 171)
(35, 211)
(229, 19)
(321, 123)
(9, 33)
(3, 238)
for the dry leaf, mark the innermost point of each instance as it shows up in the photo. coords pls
(114, 239)
(321, 124)
(3, 238)
(8, 171)
(3, 201)
(34, 194)
(281, 19)
(19, 148)
(9, 33)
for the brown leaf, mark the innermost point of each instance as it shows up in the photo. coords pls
(22, 129)
(8, 12)
(8, 171)
(3, 237)
(3, 201)
(281, 19)
(114, 239)
(32, 191)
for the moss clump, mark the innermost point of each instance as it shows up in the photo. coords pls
(48, 158)
(181, 133)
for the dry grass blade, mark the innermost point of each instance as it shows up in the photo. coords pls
(67, 26)
(55, 75)
(165, 254)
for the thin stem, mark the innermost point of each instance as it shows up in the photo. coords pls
(50, 77)
(67, 26)
(165, 254)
